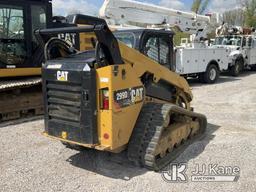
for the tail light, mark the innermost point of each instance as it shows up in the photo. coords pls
(104, 99)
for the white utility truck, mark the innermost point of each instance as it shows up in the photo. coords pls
(242, 50)
(195, 59)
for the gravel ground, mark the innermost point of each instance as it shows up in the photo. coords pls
(31, 162)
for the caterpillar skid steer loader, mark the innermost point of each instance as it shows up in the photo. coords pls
(114, 98)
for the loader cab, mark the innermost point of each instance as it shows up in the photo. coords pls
(155, 44)
(18, 46)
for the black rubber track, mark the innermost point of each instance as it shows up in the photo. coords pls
(147, 132)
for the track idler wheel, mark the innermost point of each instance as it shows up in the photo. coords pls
(162, 132)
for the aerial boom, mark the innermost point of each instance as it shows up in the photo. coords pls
(129, 12)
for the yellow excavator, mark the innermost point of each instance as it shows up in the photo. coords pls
(114, 98)
(21, 56)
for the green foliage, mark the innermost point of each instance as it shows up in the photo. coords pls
(200, 6)
(195, 6)
(234, 17)
(250, 13)
(178, 36)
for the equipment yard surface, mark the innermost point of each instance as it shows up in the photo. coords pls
(32, 162)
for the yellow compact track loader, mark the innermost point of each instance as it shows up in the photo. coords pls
(114, 98)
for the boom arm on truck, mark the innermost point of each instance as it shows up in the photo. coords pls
(133, 13)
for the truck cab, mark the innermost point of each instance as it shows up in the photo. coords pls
(250, 50)
(242, 50)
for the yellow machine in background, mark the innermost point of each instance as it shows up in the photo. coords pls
(113, 98)
(21, 57)
(19, 51)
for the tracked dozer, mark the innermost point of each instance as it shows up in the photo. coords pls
(114, 98)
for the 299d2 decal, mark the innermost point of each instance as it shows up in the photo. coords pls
(126, 97)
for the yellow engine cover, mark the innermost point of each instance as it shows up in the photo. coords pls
(126, 97)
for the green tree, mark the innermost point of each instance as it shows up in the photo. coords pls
(178, 36)
(200, 6)
(234, 17)
(250, 12)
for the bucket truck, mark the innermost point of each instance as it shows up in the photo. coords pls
(195, 59)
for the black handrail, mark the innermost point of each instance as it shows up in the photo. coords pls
(105, 37)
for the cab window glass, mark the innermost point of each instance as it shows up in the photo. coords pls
(158, 49)
(164, 52)
(126, 38)
(38, 18)
(249, 41)
(11, 22)
(254, 43)
(151, 48)
(12, 38)
(244, 42)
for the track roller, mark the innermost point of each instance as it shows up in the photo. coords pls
(162, 132)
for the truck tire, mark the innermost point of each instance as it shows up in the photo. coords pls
(211, 75)
(253, 67)
(201, 78)
(237, 68)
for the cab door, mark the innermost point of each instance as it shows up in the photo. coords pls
(158, 46)
(252, 52)
(18, 21)
(40, 18)
(13, 50)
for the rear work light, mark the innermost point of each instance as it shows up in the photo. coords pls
(104, 94)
